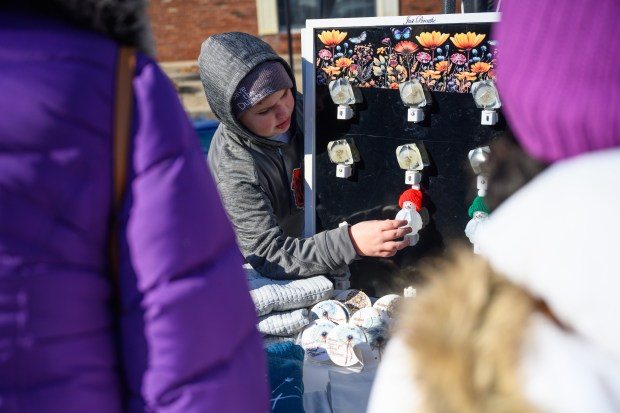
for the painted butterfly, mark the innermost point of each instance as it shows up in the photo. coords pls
(404, 34)
(359, 39)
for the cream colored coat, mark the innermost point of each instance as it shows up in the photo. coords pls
(480, 337)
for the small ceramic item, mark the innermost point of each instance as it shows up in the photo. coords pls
(479, 214)
(410, 202)
(331, 310)
(367, 318)
(353, 299)
(387, 306)
(377, 338)
(314, 339)
(340, 342)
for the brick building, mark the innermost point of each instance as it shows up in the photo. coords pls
(180, 26)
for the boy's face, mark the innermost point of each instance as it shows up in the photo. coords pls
(271, 116)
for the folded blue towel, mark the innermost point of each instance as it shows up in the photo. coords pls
(285, 368)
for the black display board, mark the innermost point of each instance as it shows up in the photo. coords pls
(451, 128)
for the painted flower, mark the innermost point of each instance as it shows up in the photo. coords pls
(332, 70)
(398, 71)
(431, 74)
(458, 59)
(491, 74)
(353, 68)
(423, 57)
(480, 67)
(332, 38)
(466, 76)
(406, 47)
(343, 62)
(393, 62)
(325, 54)
(381, 50)
(393, 85)
(378, 67)
(378, 70)
(442, 66)
(386, 41)
(467, 41)
(321, 78)
(432, 39)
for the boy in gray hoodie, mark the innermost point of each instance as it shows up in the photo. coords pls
(256, 159)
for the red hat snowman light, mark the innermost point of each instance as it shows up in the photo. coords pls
(410, 159)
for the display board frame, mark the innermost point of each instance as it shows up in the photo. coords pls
(396, 25)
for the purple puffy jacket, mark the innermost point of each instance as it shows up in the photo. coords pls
(189, 338)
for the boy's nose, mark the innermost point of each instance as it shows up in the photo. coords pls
(281, 112)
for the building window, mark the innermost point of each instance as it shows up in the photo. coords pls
(271, 13)
(323, 9)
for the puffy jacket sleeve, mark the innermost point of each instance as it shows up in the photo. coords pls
(205, 354)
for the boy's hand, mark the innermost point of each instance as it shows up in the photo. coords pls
(378, 238)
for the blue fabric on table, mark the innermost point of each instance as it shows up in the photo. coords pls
(285, 368)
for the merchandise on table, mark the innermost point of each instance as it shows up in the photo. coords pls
(377, 337)
(331, 310)
(387, 306)
(334, 332)
(340, 343)
(353, 299)
(314, 339)
(367, 318)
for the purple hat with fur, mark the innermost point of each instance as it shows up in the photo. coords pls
(559, 75)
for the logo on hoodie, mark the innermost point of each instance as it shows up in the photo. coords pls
(297, 186)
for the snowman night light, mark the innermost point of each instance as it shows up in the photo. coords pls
(478, 211)
(410, 203)
(479, 214)
(412, 158)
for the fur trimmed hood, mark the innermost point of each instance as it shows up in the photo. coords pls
(479, 338)
(465, 332)
(126, 22)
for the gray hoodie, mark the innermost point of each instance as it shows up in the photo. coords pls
(261, 180)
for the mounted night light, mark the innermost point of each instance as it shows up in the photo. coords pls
(344, 154)
(413, 95)
(486, 97)
(478, 211)
(410, 159)
(479, 161)
(342, 94)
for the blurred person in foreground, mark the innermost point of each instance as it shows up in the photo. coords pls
(188, 340)
(531, 324)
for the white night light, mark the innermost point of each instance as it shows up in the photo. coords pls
(486, 97)
(412, 95)
(342, 94)
(410, 159)
(479, 161)
(344, 154)
(479, 158)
